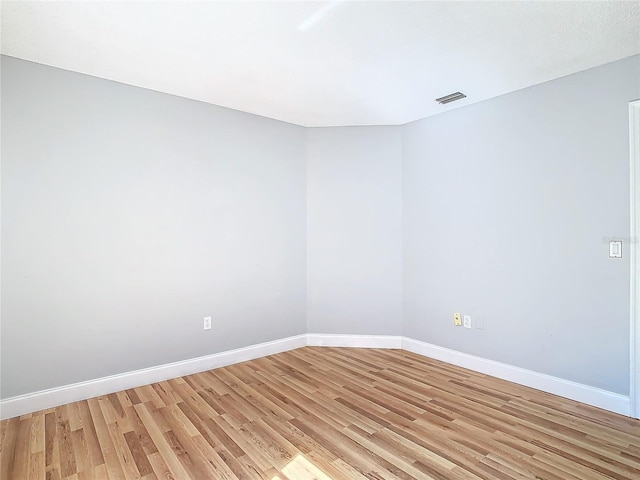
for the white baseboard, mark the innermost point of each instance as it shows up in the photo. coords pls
(23, 404)
(614, 402)
(32, 402)
(353, 341)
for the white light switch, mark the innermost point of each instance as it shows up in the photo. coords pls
(615, 249)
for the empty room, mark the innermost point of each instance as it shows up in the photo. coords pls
(330, 240)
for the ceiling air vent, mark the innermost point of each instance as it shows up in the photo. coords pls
(452, 97)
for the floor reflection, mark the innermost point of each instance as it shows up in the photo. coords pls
(302, 469)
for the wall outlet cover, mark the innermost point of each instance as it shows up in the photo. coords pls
(207, 323)
(457, 319)
(467, 321)
(615, 249)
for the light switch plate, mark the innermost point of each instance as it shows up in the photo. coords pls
(615, 249)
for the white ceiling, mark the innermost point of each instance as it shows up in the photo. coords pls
(324, 63)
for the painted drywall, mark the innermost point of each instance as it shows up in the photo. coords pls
(508, 205)
(354, 230)
(128, 215)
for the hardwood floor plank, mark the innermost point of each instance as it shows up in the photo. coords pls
(326, 414)
(110, 455)
(36, 466)
(165, 450)
(225, 467)
(67, 455)
(141, 432)
(81, 451)
(89, 429)
(138, 453)
(188, 455)
(125, 457)
(8, 446)
(342, 446)
(51, 442)
(21, 452)
(37, 434)
(159, 466)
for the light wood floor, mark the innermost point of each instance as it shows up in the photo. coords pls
(324, 413)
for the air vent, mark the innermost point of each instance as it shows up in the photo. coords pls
(451, 98)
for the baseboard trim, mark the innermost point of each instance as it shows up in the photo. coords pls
(353, 341)
(32, 402)
(23, 404)
(614, 402)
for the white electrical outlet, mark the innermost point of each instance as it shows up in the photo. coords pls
(207, 323)
(467, 321)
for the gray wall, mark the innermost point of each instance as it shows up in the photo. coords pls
(506, 204)
(128, 215)
(354, 230)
